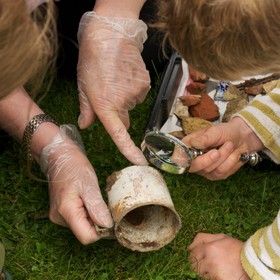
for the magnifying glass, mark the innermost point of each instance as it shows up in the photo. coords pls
(169, 154)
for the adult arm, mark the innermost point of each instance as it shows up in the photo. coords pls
(75, 198)
(119, 8)
(112, 77)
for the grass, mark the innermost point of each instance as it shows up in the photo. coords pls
(38, 249)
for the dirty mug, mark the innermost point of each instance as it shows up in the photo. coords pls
(142, 209)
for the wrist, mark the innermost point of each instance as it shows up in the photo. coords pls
(247, 135)
(124, 8)
(43, 136)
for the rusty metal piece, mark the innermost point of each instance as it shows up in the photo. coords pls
(142, 209)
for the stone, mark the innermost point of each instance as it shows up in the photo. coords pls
(269, 86)
(181, 110)
(196, 88)
(191, 125)
(254, 90)
(178, 134)
(190, 99)
(233, 107)
(231, 93)
(206, 109)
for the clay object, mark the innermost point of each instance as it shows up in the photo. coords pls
(191, 125)
(254, 90)
(196, 88)
(181, 110)
(196, 75)
(190, 99)
(206, 109)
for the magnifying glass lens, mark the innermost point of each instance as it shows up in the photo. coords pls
(167, 152)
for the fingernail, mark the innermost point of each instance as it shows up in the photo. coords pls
(81, 120)
(106, 220)
(214, 155)
(229, 146)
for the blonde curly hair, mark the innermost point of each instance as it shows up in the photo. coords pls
(27, 44)
(224, 39)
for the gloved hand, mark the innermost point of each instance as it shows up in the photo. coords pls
(75, 198)
(112, 77)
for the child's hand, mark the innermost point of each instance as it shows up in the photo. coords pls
(217, 256)
(228, 141)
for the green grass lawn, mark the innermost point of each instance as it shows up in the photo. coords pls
(39, 249)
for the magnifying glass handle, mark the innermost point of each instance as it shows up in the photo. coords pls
(250, 158)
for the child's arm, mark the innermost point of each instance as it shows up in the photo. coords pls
(263, 117)
(260, 256)
(255, 128)
(219, 256)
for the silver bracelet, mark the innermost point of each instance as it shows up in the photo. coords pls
(31, 127)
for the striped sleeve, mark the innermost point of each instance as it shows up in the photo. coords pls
(260, 256)
(262, 115)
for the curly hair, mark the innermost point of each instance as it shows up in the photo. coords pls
(28, 44)
(226, 40)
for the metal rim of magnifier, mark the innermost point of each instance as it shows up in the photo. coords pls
(159, 162)
(172, 167)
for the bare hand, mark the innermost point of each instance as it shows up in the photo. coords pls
(217, 256)
(225, 142)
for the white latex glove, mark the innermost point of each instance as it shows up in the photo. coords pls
(112, 77)
(75, 198)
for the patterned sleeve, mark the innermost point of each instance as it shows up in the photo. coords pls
(260, 256)
(263, 117)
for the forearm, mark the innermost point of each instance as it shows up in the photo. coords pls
(16, 110)
(263, 117)
(260, 256)
(119, 8)
(246, 134)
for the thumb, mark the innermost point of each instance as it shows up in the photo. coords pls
(94, 203)
(203, 139)
(97, 209)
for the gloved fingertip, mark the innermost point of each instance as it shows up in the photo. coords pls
(81, 121)
(139, 158)
(141, 161)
